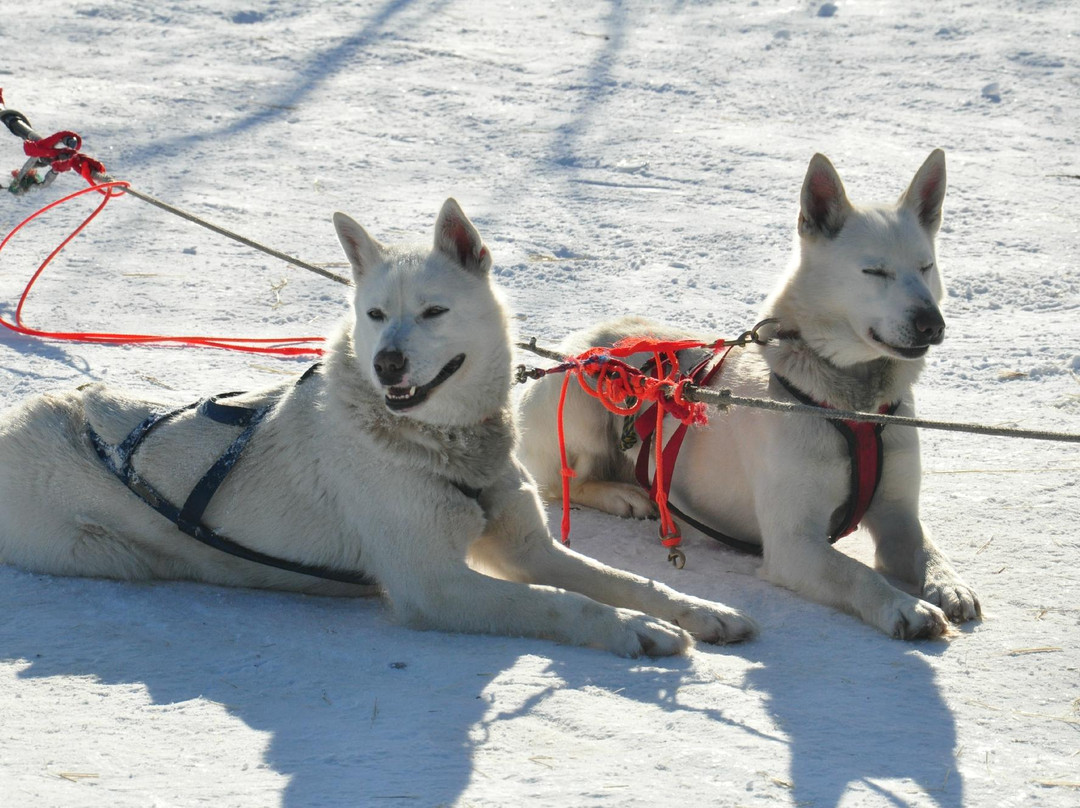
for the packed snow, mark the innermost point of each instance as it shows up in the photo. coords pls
(618, 157)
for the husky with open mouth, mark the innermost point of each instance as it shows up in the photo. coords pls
(388, 468)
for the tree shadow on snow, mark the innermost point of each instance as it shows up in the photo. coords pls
(596, 86)
(276, 104)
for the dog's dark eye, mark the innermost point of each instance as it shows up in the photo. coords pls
(877, 272)
(926, 268)
(378, 315)
(431, 312)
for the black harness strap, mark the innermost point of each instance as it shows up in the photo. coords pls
(190, 517)
(118, 460)
(735, 544)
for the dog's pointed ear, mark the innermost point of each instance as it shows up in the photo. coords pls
(824, 205)
(362, 250)
(458, 239)
(926, 193)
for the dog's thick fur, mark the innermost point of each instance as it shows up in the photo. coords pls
(855, 316)
(369, 464)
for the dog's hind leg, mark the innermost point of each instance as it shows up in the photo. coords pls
(602, 475)
(610, 496)
(83, 548)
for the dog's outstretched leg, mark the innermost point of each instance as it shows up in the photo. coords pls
(706, 621)
(818, 571)
(465, 600)
(797, 555)
(517, 545)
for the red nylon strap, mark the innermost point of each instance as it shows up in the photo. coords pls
(566, 472)
(866, 459)
(866, 454)
(670, 536)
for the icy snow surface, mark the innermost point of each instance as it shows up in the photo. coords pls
(618, 157)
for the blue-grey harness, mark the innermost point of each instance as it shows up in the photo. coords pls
(188, 517)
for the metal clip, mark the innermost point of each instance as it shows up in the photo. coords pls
(671, 540)
(753, 336)
(27, 177)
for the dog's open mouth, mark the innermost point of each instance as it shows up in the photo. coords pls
(906, 353)
(404, 398)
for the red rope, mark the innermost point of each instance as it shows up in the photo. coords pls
(66, 157)
(624, 389)
(565, 469)
(273, 346)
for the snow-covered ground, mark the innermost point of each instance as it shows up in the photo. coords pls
(618, 157)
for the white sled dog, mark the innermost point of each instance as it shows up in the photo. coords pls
(852, 322)
(389, 467)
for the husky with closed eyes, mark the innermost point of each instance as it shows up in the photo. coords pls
(850, 325)
(387, 468)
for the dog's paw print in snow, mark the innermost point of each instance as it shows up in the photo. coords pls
(780, 37)
(827, 9)
(949, 33)
(992, 92)
(248, 17)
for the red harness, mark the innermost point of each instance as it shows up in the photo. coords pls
(863, 439)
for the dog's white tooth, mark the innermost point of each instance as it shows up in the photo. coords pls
(412, 391)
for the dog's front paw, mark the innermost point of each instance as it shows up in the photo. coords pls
(716, 623)
(955, 598)
(914, 619)
(636, 634)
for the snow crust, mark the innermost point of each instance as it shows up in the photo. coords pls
(618, 157)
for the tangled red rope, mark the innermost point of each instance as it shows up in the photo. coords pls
(624, 389)
(68, 158)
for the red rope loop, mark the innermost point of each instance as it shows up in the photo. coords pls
(66, 157)
(287, 346)
(624, 389)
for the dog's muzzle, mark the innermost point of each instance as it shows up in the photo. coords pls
(927, 328)
(399, 399)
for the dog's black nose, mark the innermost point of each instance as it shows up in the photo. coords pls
(930, 325)
(390, 366)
